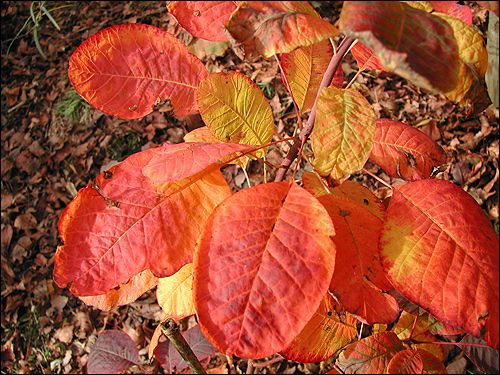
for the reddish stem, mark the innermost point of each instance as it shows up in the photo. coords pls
(454, 343)
(304, 134)
(414, 325)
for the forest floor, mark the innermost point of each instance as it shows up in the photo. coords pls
(53, 144)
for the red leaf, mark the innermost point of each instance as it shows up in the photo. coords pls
(454, 9)
(170, 359)
(405, 152)
(440, 251)
(125, 225)
(263, 265)
(328, 331)
(370, 355)
(203, 19)
(410, 42)
(113, 352)
(125, 70)
(358, 276)
(415, 361)
(365, 58)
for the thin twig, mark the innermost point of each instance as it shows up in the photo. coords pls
(377, 178)
(265, 169)
(354, 78)
(171, 330)
(250, 367)
(307, 129)
(453, 343)
(360, 331)
(246, 176)
(268, 363)
(414, 325)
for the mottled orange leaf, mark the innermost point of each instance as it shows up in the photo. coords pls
(174, 293)
(175, 162)
(343, 132)
(124, 293)
(155, 339)
(328, 331)
(365, 57)
(235, 110)
(415, 361)
(410, 42)
(125, 70)
(421, 332)
(203, 19)
(361, 196)
(454, 9)
(313, 184)
(440, 251)
(270, 27)
(304, 69)
(122, 224)
(370, 355)
(204, 135)
(405, 152)
(262, 268)
(358, 276)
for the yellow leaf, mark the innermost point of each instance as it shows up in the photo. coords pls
(174, 293)
(343, 133)
(422, 5)
(235, 110)
(313, 184)
(304, 69)
(473, 58)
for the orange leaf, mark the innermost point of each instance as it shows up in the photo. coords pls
(204, 135)
(125, 293)
(122, 225)
(175, 162)
(440, 252)
(370, 355)
(361, 196)
(358, 276)
(326, 333)
(365, 58)
(121, 71)
(262, 267)
(403, 328)
(415, 361)
(203, 19)
(174, 293)
(410, 42)
(405, 152)
(304, 69)
(270, 27)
